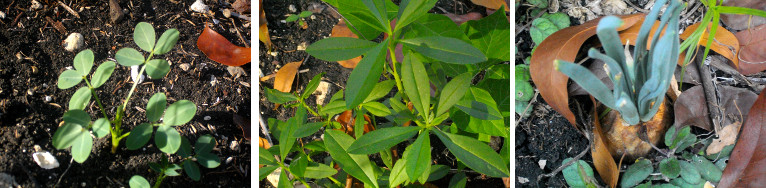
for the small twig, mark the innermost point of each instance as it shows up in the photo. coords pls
(62, 175)
(710, 96)
(534, 99)
(636, 7)
(529, 23)
(691, 11)
(239, 34)
(560, 168)
(69, 9)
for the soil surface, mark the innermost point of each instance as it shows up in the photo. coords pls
(286, 37)
(31, 106)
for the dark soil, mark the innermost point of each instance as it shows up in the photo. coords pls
(27, 119)
(287, 36)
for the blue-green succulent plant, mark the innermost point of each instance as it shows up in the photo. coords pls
(640, 81)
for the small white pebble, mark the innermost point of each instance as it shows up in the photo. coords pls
(73, 42)
(36, 5)
(2, 15)
(199, 6)
(313, 17)
(83, 184)
(292, 8)
(207, 118)
(228, 160)
(542, 163)
(213, 80)
(45, 160)
(523, 180)
(234, 145)
(283, 21)
(134, 74)
(227, 13)
(48, 98)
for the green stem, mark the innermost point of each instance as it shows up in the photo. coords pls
(392, 51)
(159, 180)
(133, 88)
(296, 177)
(310, 110)
(98, 101)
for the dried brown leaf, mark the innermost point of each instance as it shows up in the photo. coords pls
(745, 167)
(220, 50)
(727, 136)
(341, 30)
(285, 76)
(752, 52)
(492, 4)
(346, 120)
(243, 6)
(564, 45)
(743, 21)
(263, 28)
(460, 19)
(691, 106)
(724, 42)
(602, 159)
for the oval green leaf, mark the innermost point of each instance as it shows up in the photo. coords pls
(103, 72)
(416, 84)
(377, 109)
(445, 49)
(363, 78)
(180, 112)
(156, 106)
(205, 144)
(80, 99)
(68, 79)
(168, 140)
(573, 174)
(138, 182)
(66, 135)
(157, 68)
(192, 170)
(81, 146)
(670, 167)
(144, 36)
(208, 160)
(83, 62)
(166, 42)
(453, 92)
(129, 57)
(339, 48)
(101, 127)
(78, 117)
(418, 157)
(358, 166)
(380, 90)
(378, 140)
(185, 150)
(689, 173)
(636, 173)
(139, 136)
(474, 154)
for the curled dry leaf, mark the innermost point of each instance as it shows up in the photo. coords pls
(220, 50)
(727, 136)
(691, 106)
(724, 42)
(262, 142)
(602, 159)
(263, 28)
(752, 52)
(346, 120)
(244, 125)
(283, 81)
(493, 4)
(243, 6)
(564, 44)
(745, 167)
(341, 30)
(743, 21)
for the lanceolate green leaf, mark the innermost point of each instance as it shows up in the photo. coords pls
(377, 8)
(358, 166)
(139, 136)
(286, 139)
(474, 154)
(80, 99)
(265, 157)
(363, 78)
(166, 42)
(179, 113)
(378, 140)
(168, 140)
(156, 106)
(418, 157)
(83, 62)
(480, 110)
(129, 57)
(339, 48)
(307, 129)
(278, 97)
(298, 166)
(157, 68)
(381, 89)
(398, 174)
(144, 36)
(312, 86)
(588, 81)
(416, 84)
(491, 35)
(319, 171)
(453, 92)
(263, 172)
(411, 10)
(445, 49)
(377, 109)
(435, 25)
(103, 72)
(81, 146)
(68, 79)
(332, 108)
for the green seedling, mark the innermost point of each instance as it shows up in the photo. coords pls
(299, 17)
(166, 138)
(191, 161)
(435, 76)
(77, 126)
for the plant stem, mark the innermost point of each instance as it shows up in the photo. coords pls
(159, 180)
(296, 177)
(310, 110)
(133, 88)
(98, 101)
(392, 51)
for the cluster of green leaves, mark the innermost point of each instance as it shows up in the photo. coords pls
(166, 138)
(462, 115)
(191, 161)
(639, 81)
(524, 90)
(546, 25)
(298, 17)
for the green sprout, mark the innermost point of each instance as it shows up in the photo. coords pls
(202, 156)
(298, 17)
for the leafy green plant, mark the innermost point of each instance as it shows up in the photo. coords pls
(639, 81)
(435, 77)
(299, 17)
(202, 156)
(578, 174)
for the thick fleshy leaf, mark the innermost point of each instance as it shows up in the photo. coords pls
(138, 182)
(144, 36)
(474, 154)
(416, 84)
(166, 42)
(564, 45)
(168, 140)
(204, 144)
(363, 78)
(339, 48)
(103, 72)
(179, 113)
(68, 79)
(358, 166)
(192, 170)
(318, 171)
(129, 57)
(445, 49)
(139, 136)
(418, 157)
(101, 127)
(411, 10)
(453, 92)
(83, 62)
(283, 81)
(381, 139)
(156, 106)
(157, 68)
(220, 50)
(81, 146)
(491, 35)
(66, 135)
(208, 160)
(80, 99)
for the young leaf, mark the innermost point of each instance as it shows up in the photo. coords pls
(307, 129)
(492, 34)
(291, 18)
(192, 170)
(179, 113)
(445, 49)
(156, 106)
(474, 154)
(157, 68)
(304, 14)
(208, 160)
(380, 90)
(167, 41)
(205, 144)
(264, 172)
(129, 57)
(80, 99)
(144, 36)
(670, 167)
(103, 72)
(139, 136)
(418, 157)
(573, 174)
(101, 127)
(411, 10)
(138, 182)
(363, 78)
(298, 166)
(171, 170)
(279, 97)
(458, 180)
(318, 171)
(453, 92)
(219, 49)
(312, 86)
(83, 62)
(381, 139)
(81, 146)
(637, 173)
(377, 8)
(416, 84)
(66, 135)
(168, 140)
(78, 117)
(377, 109)
(185, 150)
(286, 140)
(68, 79)
(398, 174)
(358, 166)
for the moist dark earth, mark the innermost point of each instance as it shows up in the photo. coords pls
(32, 57)
(287, 36)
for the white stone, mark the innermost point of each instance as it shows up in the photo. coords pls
(292, 8)
(542, 163)
(45, 160)
(199, 6)
(229, 159)
(185, 66)
(48, 98)
(302, 46)
(523, 180)
(227, 13)
(73, 42)
(2, 15)
(134, 74)
(274, 177)
(207, 118)
(36, 5)
(234, 145)
(323, 90)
